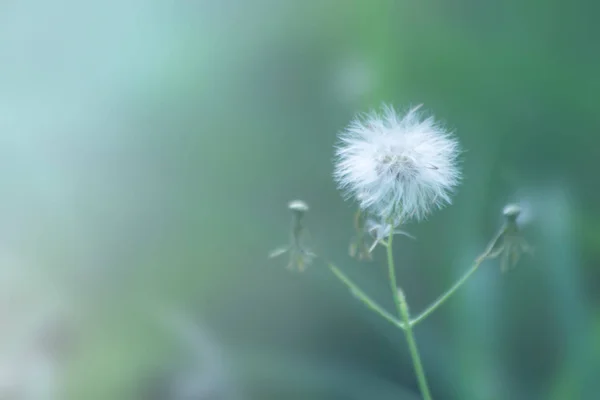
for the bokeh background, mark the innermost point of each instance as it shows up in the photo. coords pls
(148, 150)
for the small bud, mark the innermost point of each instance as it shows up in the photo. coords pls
(298, 206)
(508, 244)
(511, 212)
(300, 254)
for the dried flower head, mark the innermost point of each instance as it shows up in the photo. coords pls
(508, 244)
(298, 206)
(397, 166)
(511, 211)
(300, 255)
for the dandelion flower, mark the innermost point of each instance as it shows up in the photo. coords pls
(397, 167)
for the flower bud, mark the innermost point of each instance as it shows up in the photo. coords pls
(511, 212)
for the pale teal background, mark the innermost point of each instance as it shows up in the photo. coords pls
(148, 150)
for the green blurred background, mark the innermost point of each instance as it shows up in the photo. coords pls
(148, 150)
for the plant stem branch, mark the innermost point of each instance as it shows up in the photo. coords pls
(362, 296)
(442, 299)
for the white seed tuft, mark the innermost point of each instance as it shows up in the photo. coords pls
(397, 166)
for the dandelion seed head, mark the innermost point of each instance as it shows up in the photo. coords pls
(397, 166)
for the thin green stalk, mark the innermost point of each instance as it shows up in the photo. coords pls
(402, 307)
(442, 299)
(490, 252)
(362, 296)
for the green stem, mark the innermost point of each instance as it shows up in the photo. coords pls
(402, 307)
(442, 299)
(362, 296)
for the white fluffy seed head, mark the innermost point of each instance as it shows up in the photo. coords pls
(397, 166)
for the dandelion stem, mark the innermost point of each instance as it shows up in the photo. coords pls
(442, 299)
(402, 307)
(362, 296)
